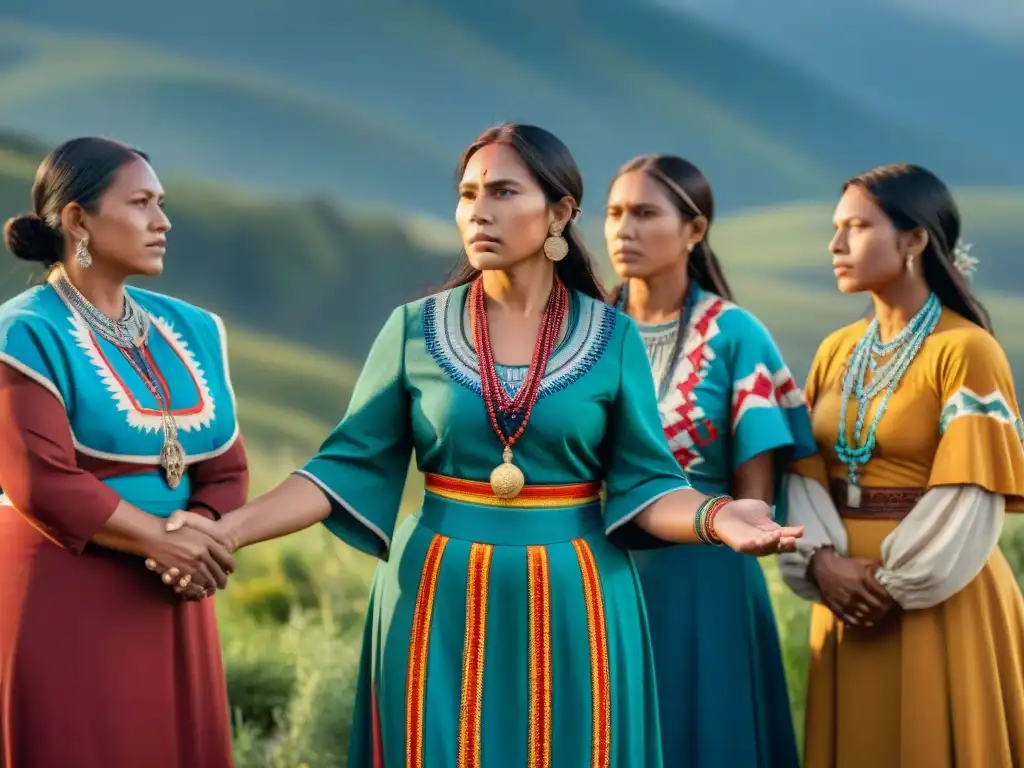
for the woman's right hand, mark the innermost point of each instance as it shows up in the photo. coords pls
(849, 589)
(198, 557)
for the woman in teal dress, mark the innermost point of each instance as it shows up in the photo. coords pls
(734, 417)
(505, 627)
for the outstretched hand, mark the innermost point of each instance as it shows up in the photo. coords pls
(746, 526)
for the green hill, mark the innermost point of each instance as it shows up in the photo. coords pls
(288, 395)
(374, 101)
(778, 263)
(304, 269)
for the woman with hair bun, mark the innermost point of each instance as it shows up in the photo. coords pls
(917, 634)
(734, 420)
(116, 410)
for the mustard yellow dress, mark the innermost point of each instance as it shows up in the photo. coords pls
(942, 686)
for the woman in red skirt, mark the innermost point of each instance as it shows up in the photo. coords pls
(116, 410)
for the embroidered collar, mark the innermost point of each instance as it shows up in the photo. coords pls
(582, 342)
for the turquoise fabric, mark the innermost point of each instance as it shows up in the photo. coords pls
(112, 413)
(721, 680)
(595, 420)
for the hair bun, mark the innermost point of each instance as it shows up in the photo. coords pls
(30, 239)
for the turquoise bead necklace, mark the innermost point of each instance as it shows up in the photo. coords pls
(886, 377)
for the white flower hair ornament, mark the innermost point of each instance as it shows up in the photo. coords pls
(964, 263)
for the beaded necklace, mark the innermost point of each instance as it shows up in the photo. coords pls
(507, 480)
(886, 377)
(130, 335)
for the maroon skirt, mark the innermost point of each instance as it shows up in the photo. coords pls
(101, 664)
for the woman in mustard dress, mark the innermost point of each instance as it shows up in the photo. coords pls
(917, 636)
(506, 626)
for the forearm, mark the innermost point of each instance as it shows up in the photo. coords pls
(42, 480)
(755, 479)
(294, 505)
(129, 530)
(809, 505)
(671, 517)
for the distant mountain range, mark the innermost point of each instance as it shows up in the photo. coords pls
(371, 103)
(949, 66)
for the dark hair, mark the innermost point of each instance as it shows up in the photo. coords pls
(78, 171)
(552, 165)
(690, 191)
(915, 198)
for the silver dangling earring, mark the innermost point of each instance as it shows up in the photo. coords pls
(555, 247)
(82, 253)
(910, 265)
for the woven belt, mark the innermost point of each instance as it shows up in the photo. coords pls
(876, 503)
(536, 496)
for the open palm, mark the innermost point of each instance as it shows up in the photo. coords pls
(746, 526)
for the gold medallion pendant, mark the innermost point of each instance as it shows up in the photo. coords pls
(507, 480)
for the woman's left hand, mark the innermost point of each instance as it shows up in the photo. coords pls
(746, 526)
(169, 576)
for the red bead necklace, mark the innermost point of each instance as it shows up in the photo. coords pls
(507, 480)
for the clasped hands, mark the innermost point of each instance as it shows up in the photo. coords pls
(849, 588)
(192, 556)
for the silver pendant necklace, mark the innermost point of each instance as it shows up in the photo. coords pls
(130, 334)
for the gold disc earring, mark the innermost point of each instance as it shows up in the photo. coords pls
(556, 247)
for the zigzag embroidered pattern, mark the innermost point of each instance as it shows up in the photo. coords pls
(966, 402)
(195, 419)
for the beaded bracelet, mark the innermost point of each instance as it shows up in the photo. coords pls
(703, 521)
(709, 520)
(698, 521)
